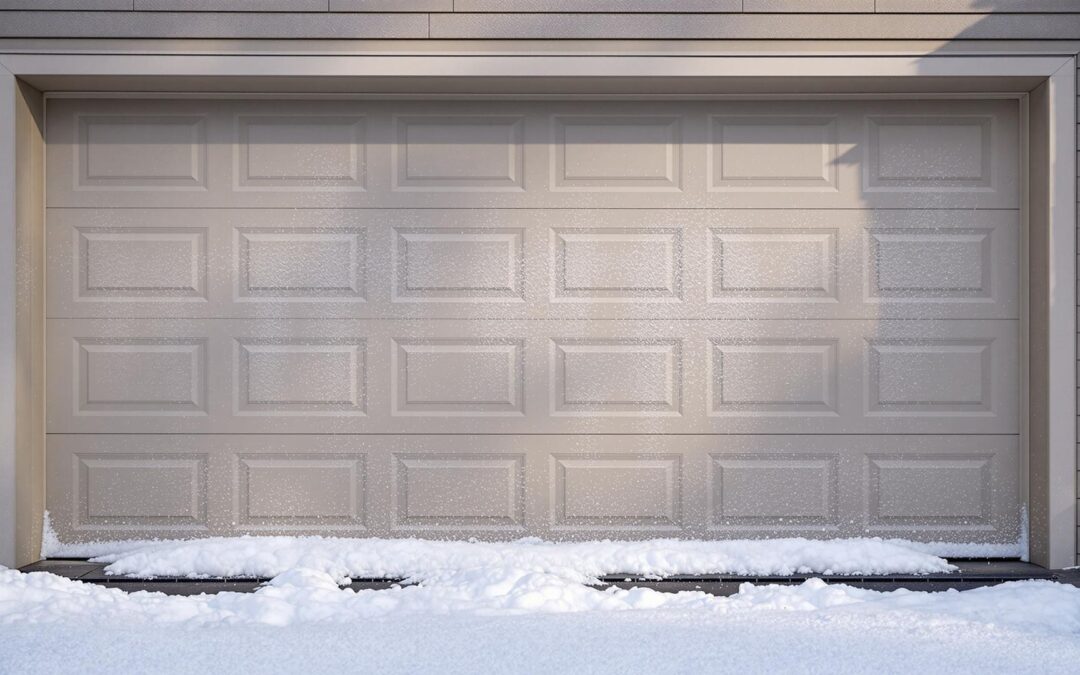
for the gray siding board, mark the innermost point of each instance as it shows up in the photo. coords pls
(976, 6)
(748, 26)
(600, 6)
(47, 5)
(387, 6)
(391, 5)
(985, 7)
(212, 25)
(230, 5)
(811, 6)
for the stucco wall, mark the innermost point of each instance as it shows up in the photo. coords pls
(509, 20)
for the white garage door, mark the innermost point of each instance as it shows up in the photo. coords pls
(556, 318)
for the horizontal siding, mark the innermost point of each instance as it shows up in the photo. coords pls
(213, 25)
(230, 5)
(461, 25)
(50, 5)
(571, 6)
(545, 20)
(600, 6)
(391, 6)
(294, 5)
(976, 6)
(808, 6)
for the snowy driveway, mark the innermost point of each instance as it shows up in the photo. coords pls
(526, 606)
(510, 620)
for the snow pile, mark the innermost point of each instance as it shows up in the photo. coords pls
(417, 560)
(511, 620)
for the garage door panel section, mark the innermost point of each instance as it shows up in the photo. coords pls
(117, 489)
(522, 263)
(300, 152)
(140, 376)
(721, 154)
(458, 491)
(929, 488)
(459, 153)
(300, 491)
(522, 376)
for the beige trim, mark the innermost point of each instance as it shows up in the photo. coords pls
(1052, 319)
(1061, 387)
(1053, 536)
(8, 95)
(740, 68)
(22, 321)
(30, 324)
(525, 73)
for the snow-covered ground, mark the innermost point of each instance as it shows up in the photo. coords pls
(416, 559)
(525, 607)
(503, 619)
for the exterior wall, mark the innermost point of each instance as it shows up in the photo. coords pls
(545, 19)
(436, 21)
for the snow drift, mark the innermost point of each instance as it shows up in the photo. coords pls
(419, 560)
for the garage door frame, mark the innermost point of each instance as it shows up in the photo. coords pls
(1046, 82)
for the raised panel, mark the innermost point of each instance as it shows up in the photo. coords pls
(624, 377)
(765, 490)
(141, 152)
(905, 153)
(781, 153)
(459, 153)
(317, 153)
(140, 492)
(929, 376)
(140, 264)
(300, 264)
(617, 491)
(301, 376)
(909, 265)
(930, 491)
(300, 491)
(616, 264)
(458, 377)
(140, 376)
(473, 264)
(617, 153)
(773, 264)
(761, 377)
(459, 491)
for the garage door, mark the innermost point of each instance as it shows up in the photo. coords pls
(568, 319)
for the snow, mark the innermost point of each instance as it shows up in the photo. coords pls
(504, 619)
(415, 559)
(525, 607)
(969, 549)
